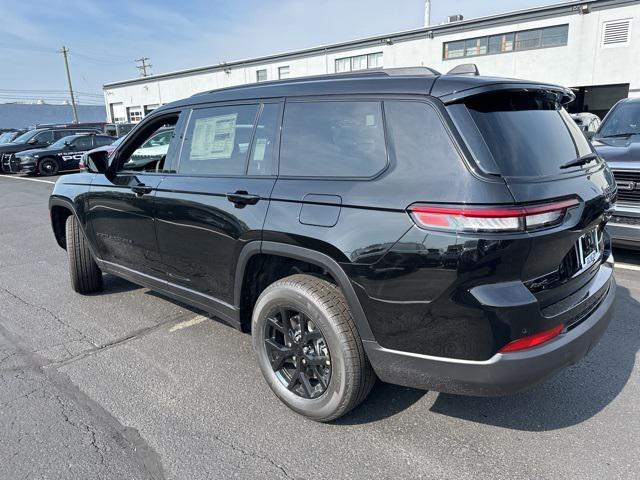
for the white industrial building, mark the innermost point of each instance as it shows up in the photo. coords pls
(592, 46)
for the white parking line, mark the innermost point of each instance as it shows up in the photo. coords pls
(27, 178)
(188, 323)
(628, 266)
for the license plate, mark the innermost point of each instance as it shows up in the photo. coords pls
(588, 249)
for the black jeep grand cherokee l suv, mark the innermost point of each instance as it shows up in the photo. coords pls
(436, 231)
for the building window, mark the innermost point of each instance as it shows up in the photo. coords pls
(261, 75)
(359, 62)
(283, 72)
(134, 114)
(507, 42)
(374, 60)
(343, 65)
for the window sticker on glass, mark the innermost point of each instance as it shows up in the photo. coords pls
(213, 137)
(259, 150)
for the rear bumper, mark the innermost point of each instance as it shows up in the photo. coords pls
(502, 374)
(624, 226)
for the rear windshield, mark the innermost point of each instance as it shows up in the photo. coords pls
(527, 133)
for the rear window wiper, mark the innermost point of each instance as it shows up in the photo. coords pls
(583, 160)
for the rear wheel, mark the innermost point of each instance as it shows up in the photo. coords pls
(308, 348)
(48, 167)
(86, 276)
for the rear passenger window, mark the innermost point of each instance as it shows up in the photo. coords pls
(217, 140)
(332, 139)
(83, 143)
(263, 152)
(102, 141)
(58, 134)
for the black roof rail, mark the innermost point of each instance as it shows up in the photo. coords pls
(465, 69)
(375, 72)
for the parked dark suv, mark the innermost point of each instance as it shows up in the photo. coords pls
(37, 138)
(436, 231)
(61, 156)
(618, 142)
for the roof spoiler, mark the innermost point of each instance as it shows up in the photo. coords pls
(465, 69)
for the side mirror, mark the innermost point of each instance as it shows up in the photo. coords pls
(33, 141)
(97, 162)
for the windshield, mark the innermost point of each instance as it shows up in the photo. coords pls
(528, 134)
(158, 140)
(25, 137)
(624, 119)
(61, 143)
(5, 137)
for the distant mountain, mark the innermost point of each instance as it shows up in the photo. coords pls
(19, 115)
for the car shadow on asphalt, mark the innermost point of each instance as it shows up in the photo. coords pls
(113, 285)
(576, 394)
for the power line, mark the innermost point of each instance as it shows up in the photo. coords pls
(47, 92)
(143, 66)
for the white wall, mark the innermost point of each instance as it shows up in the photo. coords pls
(582, 62)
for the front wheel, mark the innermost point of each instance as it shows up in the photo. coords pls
(48, 167)
(86, 276)
(308, 348)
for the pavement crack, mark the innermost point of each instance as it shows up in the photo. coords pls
(137, 334)
(15, 399)
(237, 448)
(41, 308)
(69, 394)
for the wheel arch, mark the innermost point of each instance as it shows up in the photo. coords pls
(296, 253)
(59, 210)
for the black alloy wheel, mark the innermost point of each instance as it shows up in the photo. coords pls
(298, 352)
(48, 167)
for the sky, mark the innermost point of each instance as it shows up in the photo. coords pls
(104, 37)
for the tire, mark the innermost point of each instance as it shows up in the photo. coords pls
(85, 275)
(350, 377)
(48, 167)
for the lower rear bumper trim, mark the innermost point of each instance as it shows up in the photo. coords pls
(502, 374)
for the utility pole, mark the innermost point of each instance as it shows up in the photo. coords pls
(427, 13)
(143, 66)
(65, 52)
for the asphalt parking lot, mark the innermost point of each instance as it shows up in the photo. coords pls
(128, 384)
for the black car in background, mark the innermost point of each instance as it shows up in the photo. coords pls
(38, 138)
(443, 232)
(9, 135)
(61, 156)
(618, 142)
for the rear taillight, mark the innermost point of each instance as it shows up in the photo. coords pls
(532, 340)
(468, 218)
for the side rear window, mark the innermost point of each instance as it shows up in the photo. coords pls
(217, 140)
(421, 142)
(332, 139)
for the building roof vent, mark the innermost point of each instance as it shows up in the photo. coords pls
(454, 18)
(616, 32)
